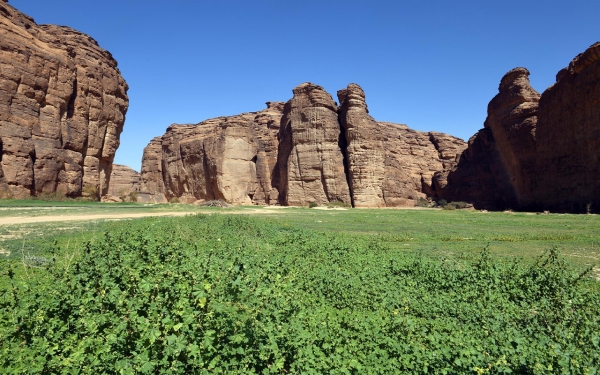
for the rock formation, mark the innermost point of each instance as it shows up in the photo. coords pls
(123, 181)
(305, 151)
(311, 163)
(363, 146)
(62, 108)
(226, 158)
(536, 152)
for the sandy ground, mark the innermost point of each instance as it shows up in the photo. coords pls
(112, 216)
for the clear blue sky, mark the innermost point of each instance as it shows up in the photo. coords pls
(433, 65)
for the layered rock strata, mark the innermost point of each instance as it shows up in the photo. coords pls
(537, 152)
(123, 181)
(365, 154)
(305, 151)
(62, 109)
(310, 160)
(226, 158)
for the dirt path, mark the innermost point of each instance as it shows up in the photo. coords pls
(112, 216)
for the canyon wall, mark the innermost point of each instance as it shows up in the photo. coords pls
(307, 150)
(536, 152)
(62, 109)
(226, 158)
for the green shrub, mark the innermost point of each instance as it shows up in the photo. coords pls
(122, 193)
(422, 202)
(91, 191)
(449, 207)
(313, 205)
(133, 196)
(174, 200)
(441, 203)
(338, 205)
(235, 295)
(51, 197)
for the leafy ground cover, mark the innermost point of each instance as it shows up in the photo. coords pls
(236, 294)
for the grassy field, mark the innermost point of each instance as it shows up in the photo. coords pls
(448, 234)
(304, 291)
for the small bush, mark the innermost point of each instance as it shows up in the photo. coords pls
(338, 204)
(174, 200)
(133, 196)
(449, 207)
(313, 205)
(122, 193)
(422, 202)
(216, 203)
(441, 203)
(91, 191)
(51, 197)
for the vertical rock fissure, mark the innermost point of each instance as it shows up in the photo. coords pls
(210, 194)
(71, 104)
(343, 144)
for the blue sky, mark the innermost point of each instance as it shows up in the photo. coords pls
(433, 65)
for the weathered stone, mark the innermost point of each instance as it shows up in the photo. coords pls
(62, 108)
(123, 181)
(226, 158)
(310, 161)
(568, 140)
(363, 146)
(299, 153)
(411, 160)
(536, 152)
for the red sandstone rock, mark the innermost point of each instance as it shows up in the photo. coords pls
(62, 108)
(536, 152)
(310, 161)
(123, 181)
(365, 154)
(250, 158)
(226, 158)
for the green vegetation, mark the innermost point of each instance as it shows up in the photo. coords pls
(339, 295)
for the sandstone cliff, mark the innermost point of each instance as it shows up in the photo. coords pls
(310, 160)
(536, 152)
(363, 146)
(227, 158)
(305, 151)
(62, 108)
(123, 181)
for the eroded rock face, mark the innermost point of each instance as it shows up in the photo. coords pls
(365, 154)
(62, 108)
(568, 139)
(123, 181)
(310, 160)
(536, 152)
(305, 151)
(226, 158)
(412, 158)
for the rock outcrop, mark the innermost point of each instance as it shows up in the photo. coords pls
(62, 109)
(363, 147)
(123, 181)
(305, 151)
(412, 158)
(226, 158)
(310, 160)
(536, 152)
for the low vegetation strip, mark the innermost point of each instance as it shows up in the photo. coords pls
(238, 295)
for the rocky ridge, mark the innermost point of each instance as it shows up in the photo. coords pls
(62, 109)
(536, 152)
(307, 150)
